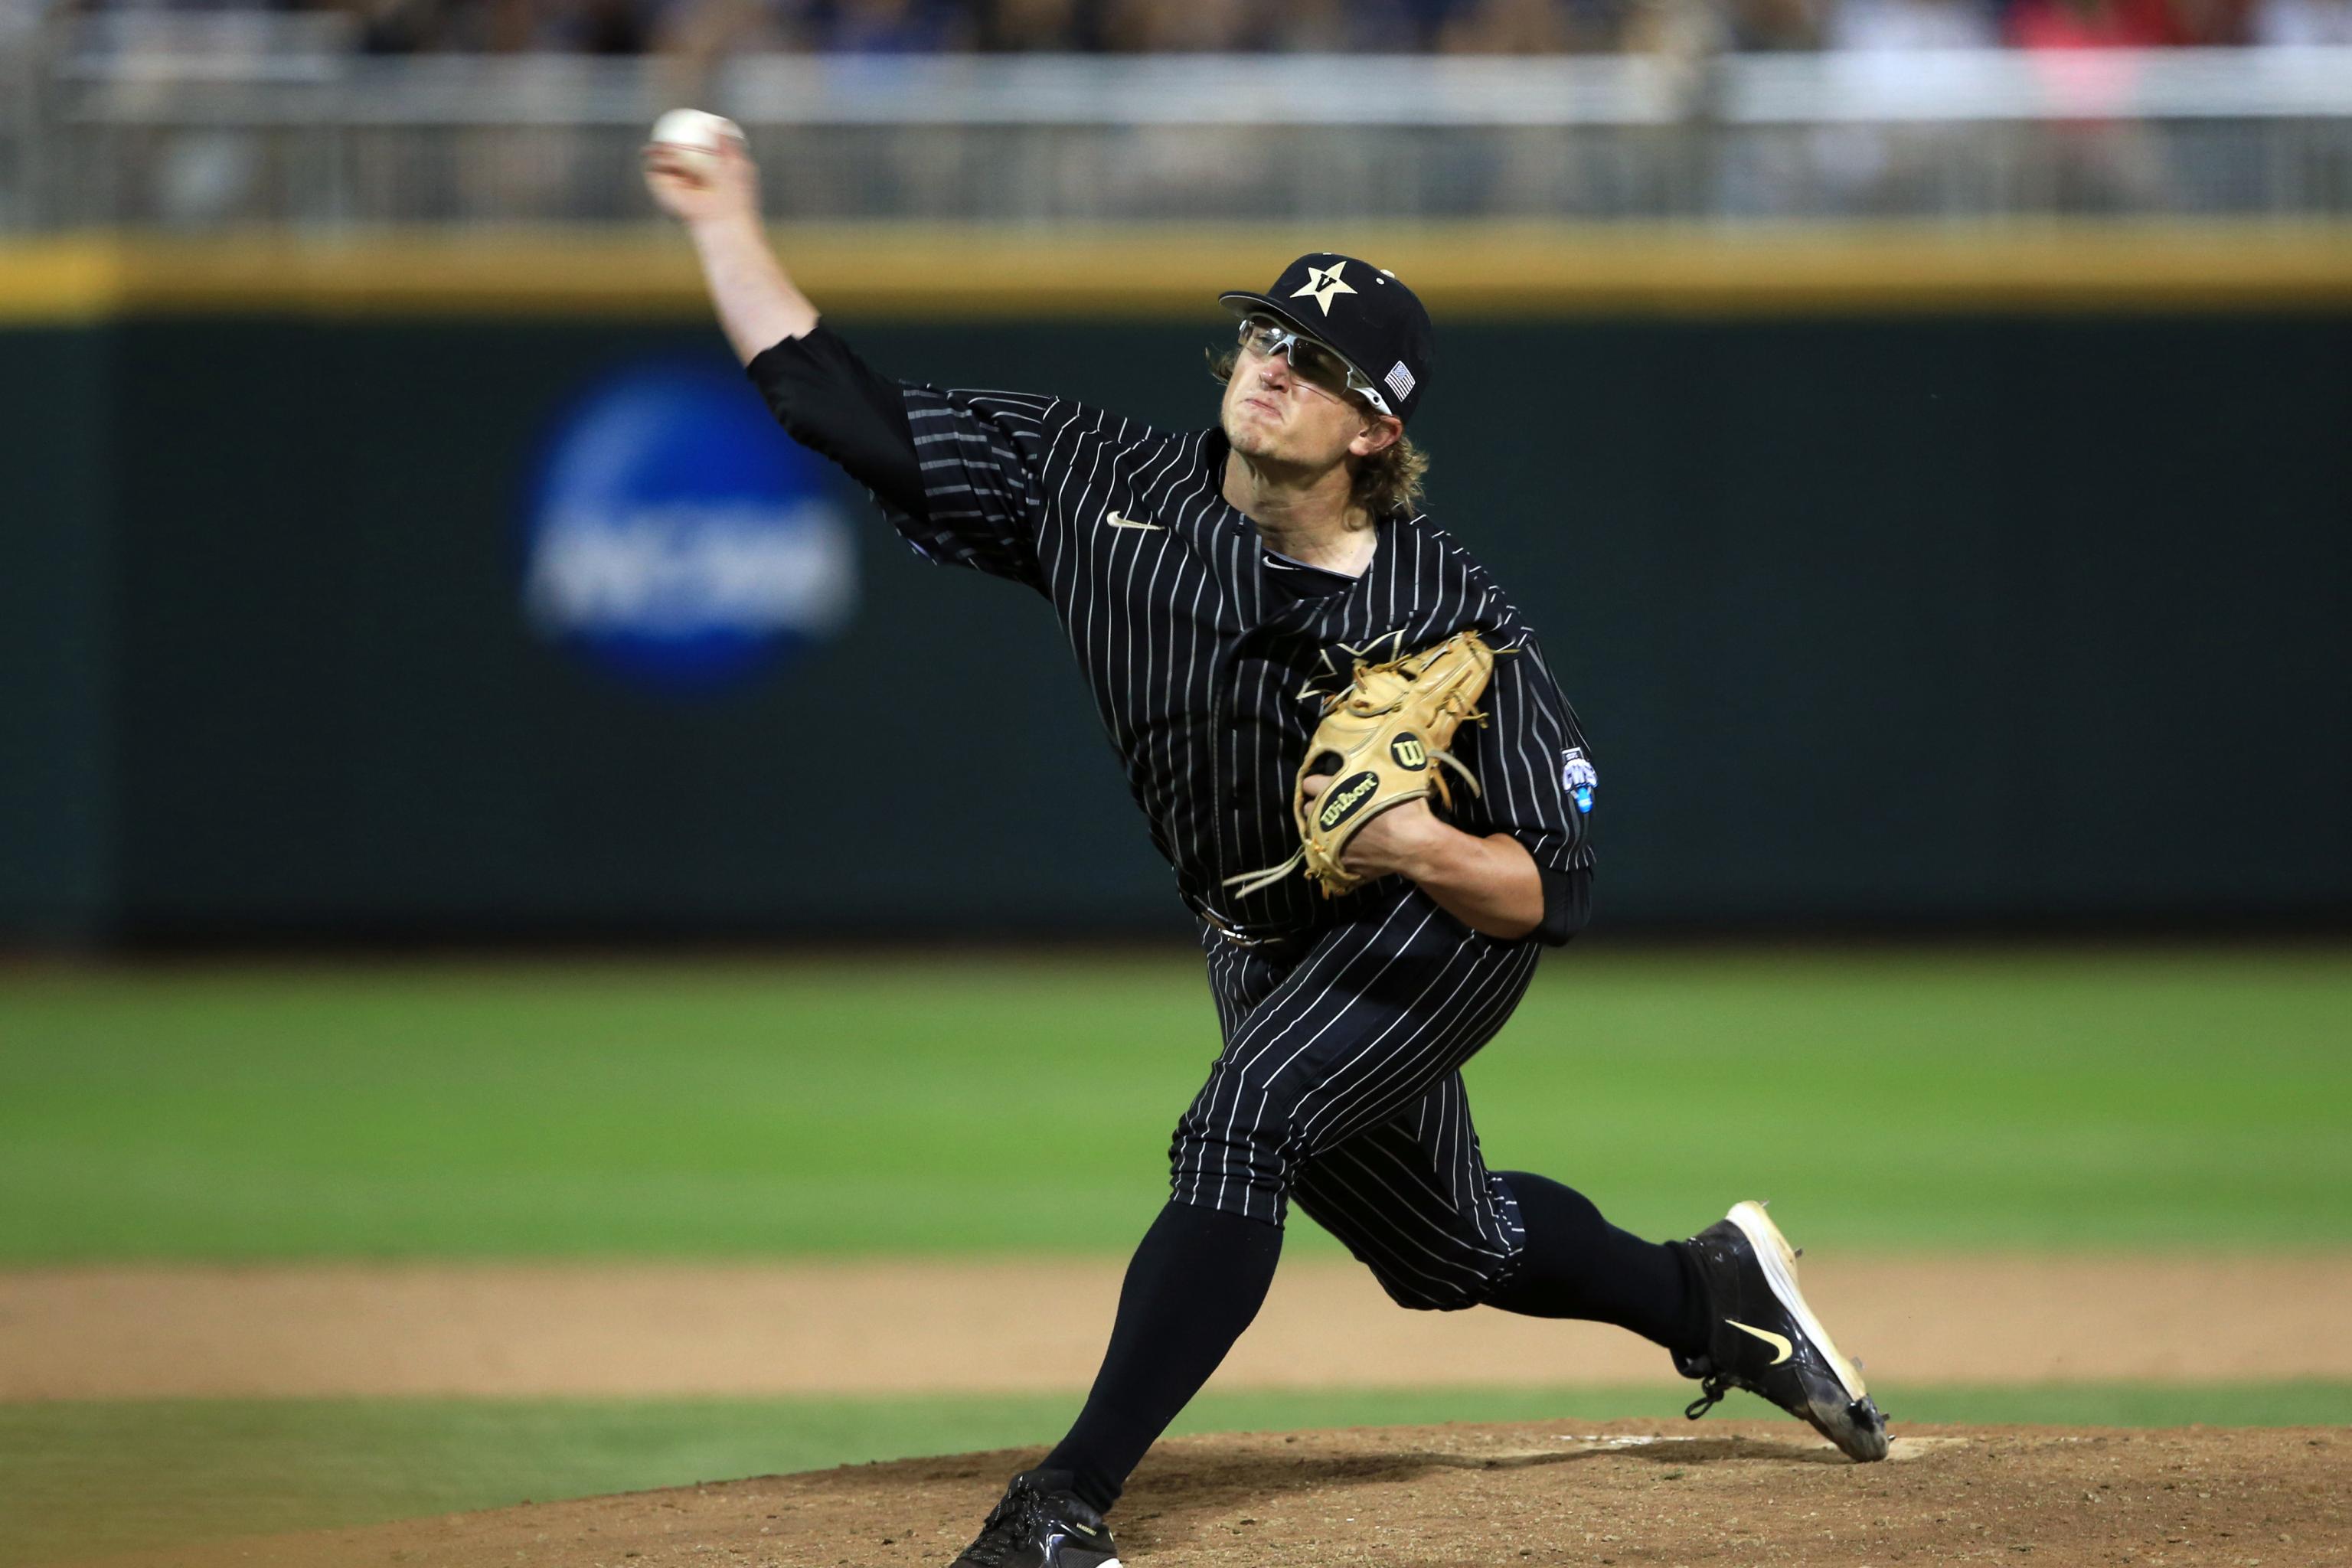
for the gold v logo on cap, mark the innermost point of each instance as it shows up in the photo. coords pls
(1322, 283)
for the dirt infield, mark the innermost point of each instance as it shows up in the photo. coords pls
(1626, 1493)
(983, 1327)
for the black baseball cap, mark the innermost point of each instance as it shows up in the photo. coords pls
(1358, 312)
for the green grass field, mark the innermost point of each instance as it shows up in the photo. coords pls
(2134, 1099)
(2155, 1098)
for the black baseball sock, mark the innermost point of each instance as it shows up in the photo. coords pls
(1198, 1279)
(1577, 1265)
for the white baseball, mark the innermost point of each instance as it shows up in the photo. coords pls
(695, 135)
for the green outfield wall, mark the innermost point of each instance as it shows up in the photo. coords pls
(2031, 604)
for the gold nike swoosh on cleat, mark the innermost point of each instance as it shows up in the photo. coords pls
(1116, 520)
(1769, 1337)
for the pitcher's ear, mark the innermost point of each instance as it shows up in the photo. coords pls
(1381, 432)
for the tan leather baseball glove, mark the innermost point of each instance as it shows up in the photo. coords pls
(1385, 739)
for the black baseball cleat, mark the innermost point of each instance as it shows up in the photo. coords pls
(1040, 1525)
(1767, 1341)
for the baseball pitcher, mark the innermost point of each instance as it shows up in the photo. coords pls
(1352, 753)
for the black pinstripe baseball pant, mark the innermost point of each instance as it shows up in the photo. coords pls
(1339, 1088)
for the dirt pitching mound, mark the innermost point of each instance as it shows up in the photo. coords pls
(1422, 1497)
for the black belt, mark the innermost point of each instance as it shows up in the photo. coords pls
(1244, 936)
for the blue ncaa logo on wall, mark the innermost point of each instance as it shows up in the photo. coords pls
(677, 538)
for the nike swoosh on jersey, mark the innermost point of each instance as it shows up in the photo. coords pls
(1116, 520)
(1777, 1342)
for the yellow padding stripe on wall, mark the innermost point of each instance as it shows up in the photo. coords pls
(1174, 272)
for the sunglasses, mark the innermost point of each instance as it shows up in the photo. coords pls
(1265, 337)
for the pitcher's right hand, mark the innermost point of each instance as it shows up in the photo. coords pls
(697, 186)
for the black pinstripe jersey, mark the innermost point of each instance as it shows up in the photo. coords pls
(1205, 664)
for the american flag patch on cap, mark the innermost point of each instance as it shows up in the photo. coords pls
(1400, 380)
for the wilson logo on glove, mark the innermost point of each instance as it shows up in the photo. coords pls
(1385, 728)
(1341, 801)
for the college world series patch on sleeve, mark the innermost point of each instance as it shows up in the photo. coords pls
(1577, 777)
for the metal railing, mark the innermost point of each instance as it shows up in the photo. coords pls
(101, 129)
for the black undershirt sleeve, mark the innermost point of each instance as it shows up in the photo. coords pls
(835, 403)
(1568, 904)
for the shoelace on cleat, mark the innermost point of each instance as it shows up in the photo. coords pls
(1014, 1518)
(1711, 1391)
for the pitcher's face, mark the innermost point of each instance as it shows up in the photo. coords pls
(1299, 416)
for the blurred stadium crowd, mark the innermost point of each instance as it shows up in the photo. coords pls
(1468, 27)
